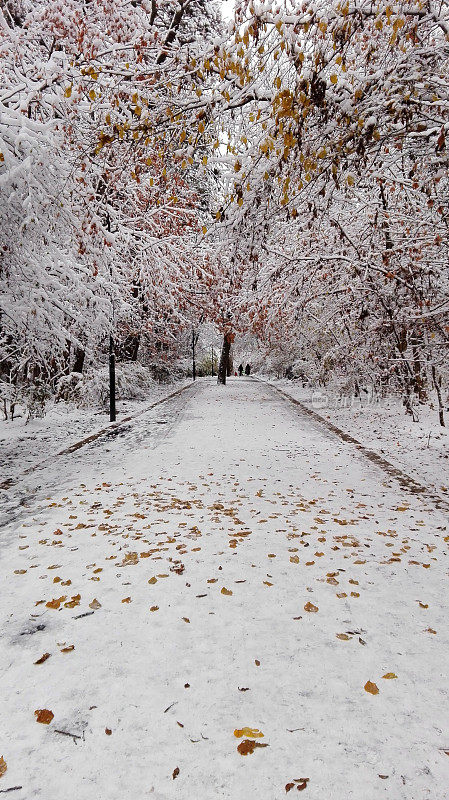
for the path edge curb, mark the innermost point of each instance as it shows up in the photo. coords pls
(91, 438)
(405, 480)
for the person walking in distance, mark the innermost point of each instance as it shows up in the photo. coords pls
(247, 370)
(240, 370)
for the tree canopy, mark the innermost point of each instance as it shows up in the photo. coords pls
(284, 174)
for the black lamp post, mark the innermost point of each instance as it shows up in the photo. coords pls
(112, 413)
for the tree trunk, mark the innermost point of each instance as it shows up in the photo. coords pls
(79, 360)
(418, 378)
(437, 386)
(224, 359)
(230, 367)
(130, 347)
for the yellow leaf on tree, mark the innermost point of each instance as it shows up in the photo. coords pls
(250, 733)
(333, 78)
(371, 688)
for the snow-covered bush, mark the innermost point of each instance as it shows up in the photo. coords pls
(67, 386)
(34, 398)
(133, 382)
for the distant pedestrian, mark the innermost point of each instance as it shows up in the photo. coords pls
(241, 370)
(247, 370)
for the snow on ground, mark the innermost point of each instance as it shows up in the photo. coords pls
(25, 444)
(223, 563)
(420, 448)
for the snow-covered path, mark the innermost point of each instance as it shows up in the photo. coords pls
(224, 563)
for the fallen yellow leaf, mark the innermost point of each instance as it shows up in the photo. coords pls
(310, 607)
(42, 658)
(226, 591)
(248, 746)
(44, 716)
(389, 675)
(371, 688)
(3, 766)
(56, 602)
(253, 733)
